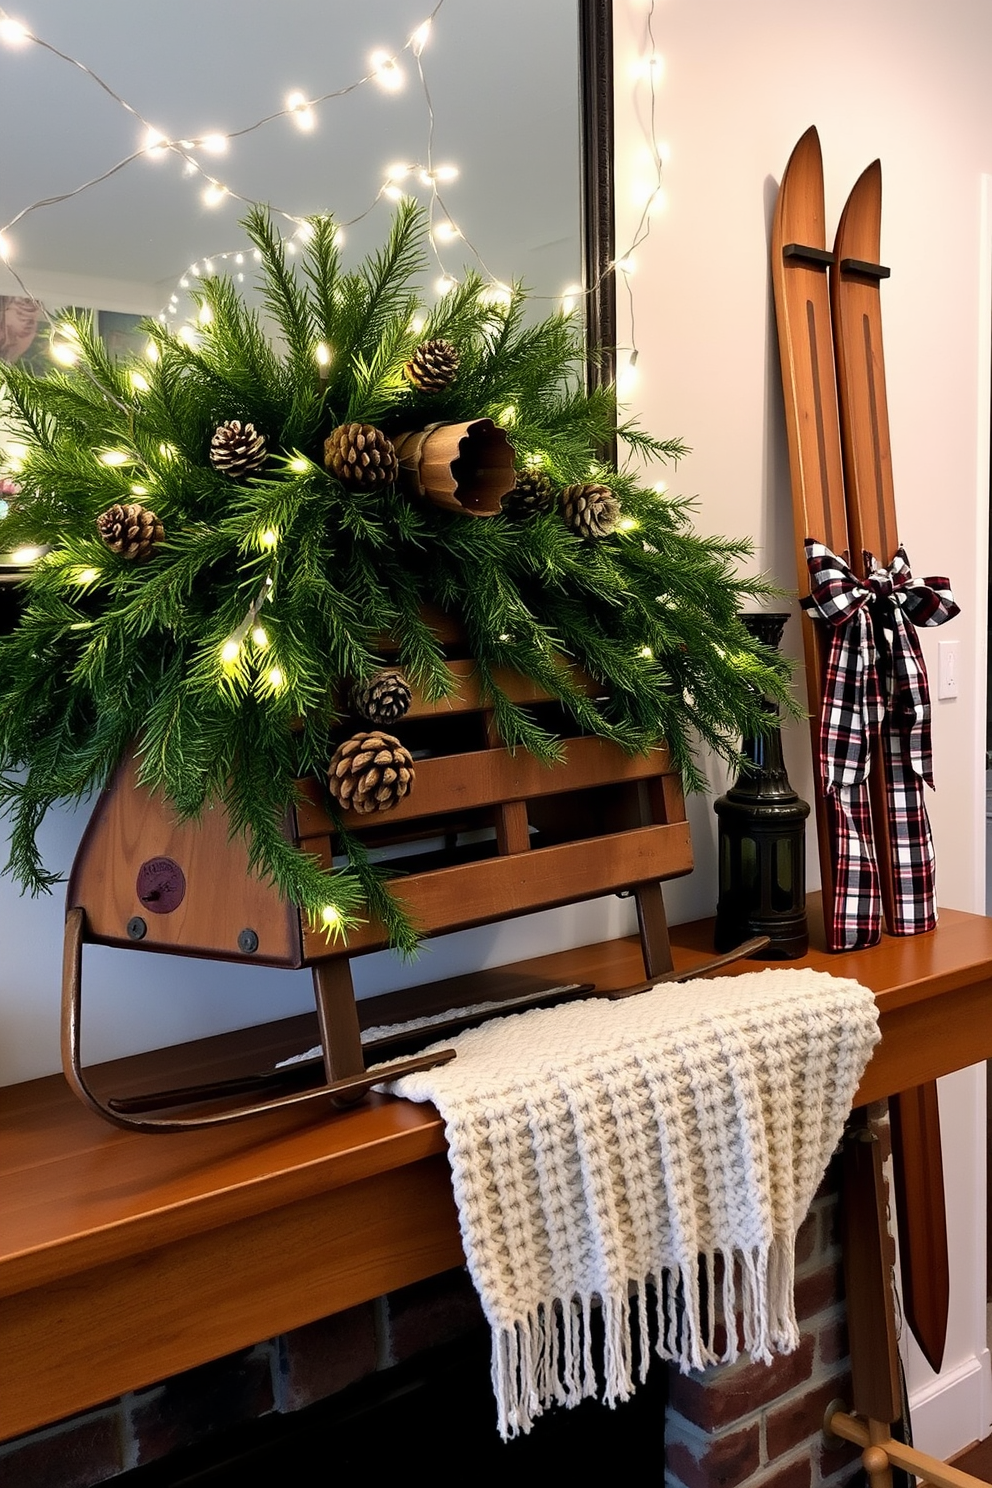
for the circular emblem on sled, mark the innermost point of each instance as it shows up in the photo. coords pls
(161, 885)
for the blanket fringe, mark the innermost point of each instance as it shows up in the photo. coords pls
(550, 1356)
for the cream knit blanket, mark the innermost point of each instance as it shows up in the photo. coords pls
(602, 1150)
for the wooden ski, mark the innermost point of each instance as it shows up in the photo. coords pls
(841, 518)
(802, 306)
(855, 279)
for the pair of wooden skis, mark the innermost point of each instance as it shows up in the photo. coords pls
(830, 340)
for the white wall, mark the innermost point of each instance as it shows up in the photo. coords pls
(907, 82)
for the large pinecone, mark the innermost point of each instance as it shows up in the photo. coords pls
(532, 494)
(370, 772)
(237, 449)
(433, 366)
(384, 698)
(360, 456)
(590, 510)
(132, 530)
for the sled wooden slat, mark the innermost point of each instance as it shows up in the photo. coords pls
(491, 776)
(495, 888)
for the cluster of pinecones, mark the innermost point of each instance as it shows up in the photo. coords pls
(589, 509)
(373, 771)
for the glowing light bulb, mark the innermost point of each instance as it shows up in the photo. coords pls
(87, 575)
(139, 490)
(386, 71)
(205, 315)
(275, 678)
(154, 143)
(330, 915)
(300, 465)
(26, 555)
(13, 33)
(509, 415)
(446, 231)
(660, 487)
(305, 232)
(230, 651)
(239, 258)
(570, 298)
(626, 265)
(214, 144)
(417, 324)
(213, 195)
(139, 382)
(270, 537)
(6, 248)
(65, 353)
(397, 171)
(260, 638)
(393, 192)
(187, 335)
(445, 284)
(647, 653)
(419, 38)
(300, 111)
(498, 295)
(114, 457)
(322, 352)
(629, 524)
(290, 245)
(208, 266)
(167, 451)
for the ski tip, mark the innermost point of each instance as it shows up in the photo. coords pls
(806, 150)
(859, 229)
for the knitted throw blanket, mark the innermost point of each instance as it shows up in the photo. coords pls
(604, 1153)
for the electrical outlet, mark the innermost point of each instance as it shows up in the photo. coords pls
(948, 663)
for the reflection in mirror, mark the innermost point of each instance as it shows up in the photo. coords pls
(318, 107)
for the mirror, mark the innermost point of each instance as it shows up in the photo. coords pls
(314, 107)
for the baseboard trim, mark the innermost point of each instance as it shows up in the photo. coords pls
(952, 1411)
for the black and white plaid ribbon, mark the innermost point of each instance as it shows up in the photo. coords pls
(876, 687)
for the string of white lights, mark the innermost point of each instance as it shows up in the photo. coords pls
(384, 70)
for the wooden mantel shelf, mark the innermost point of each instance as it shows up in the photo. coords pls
(125, 1258)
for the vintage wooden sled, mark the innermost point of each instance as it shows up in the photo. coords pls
(486, 835)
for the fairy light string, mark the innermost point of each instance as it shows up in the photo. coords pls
(385, 71)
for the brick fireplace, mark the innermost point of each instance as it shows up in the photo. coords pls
(737, 1426)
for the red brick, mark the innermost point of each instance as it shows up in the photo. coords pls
(724, 1460)
(819, 1290)
(797, 1474)
(833, 1458)
(807, 1238)
(86, 1450)
(801, 1419)
(728, 1392)
(432, 1312)
(323, 1357)
(833, 1340)
(195, 1404)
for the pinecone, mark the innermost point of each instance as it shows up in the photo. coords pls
(532, 494)
(370, 772)
(384, 698)
(360, 456)
(590, 510)
(433, 366)
(237, 449)
(131, 530)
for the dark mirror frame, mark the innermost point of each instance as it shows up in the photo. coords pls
(598, 234)
(597, 187)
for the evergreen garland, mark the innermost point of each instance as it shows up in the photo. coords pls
(109, 653)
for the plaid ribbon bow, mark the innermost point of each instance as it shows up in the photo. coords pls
(876, 686)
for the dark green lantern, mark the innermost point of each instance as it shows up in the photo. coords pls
(762, 854)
